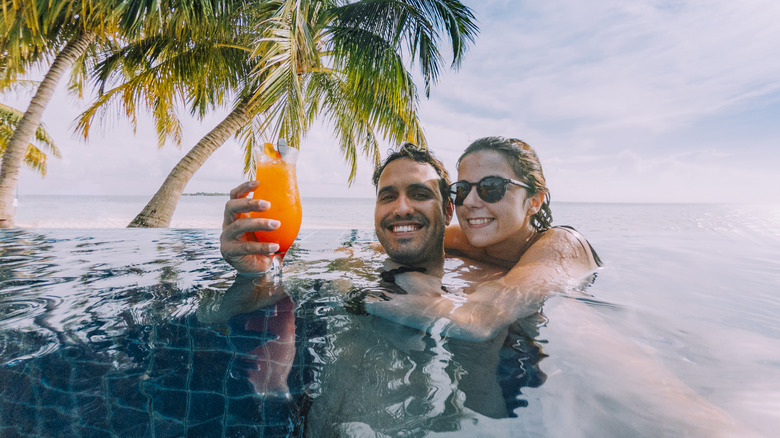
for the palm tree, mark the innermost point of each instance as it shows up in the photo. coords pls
(309, 58)
(35, 156)
(66, 29)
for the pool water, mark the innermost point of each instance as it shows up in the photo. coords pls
(147, 333)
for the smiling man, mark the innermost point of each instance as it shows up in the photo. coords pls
(412, 210)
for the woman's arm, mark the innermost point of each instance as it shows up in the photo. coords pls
(455, 240)
(556, 262)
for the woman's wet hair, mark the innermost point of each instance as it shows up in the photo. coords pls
(527, 168)
(419, 155)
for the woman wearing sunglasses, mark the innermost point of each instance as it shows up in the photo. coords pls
(503, 210)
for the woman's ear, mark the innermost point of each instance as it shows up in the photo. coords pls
(536, 202)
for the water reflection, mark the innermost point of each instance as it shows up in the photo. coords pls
(119, 333)
(362, 373)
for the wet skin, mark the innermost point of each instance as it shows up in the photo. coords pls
(409, 216)
(500, 228)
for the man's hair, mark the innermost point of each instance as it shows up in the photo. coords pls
(420, 155)
(526, 166)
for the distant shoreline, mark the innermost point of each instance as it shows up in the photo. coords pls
(204, 194)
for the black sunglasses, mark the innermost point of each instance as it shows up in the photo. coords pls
(490, 189)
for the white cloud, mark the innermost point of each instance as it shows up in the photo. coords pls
(613, 63)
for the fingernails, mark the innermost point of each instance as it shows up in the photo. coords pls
(274, 223)
(273, 247)
(263, 204)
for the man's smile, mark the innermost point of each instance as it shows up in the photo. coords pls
(405, 228)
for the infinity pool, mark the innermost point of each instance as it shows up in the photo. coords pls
(145, 333)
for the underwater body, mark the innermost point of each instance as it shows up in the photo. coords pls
(119, 332)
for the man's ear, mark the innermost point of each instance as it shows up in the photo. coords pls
(449, 209)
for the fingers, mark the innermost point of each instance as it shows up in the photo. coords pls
(243, 189)
(237, 228)
(235, 249)
(242, 205)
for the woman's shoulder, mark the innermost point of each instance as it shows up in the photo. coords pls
(567, 242)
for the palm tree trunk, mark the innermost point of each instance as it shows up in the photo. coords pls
(159, 211)
(25, 129)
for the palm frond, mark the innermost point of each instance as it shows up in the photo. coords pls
(34, 157)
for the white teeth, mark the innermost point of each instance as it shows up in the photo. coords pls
(480, 221)
(404, 229)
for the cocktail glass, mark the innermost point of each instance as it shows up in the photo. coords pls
(279, 186)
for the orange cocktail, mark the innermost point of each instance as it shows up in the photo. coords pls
(279, 186)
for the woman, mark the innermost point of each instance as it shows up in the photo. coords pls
(503, 210)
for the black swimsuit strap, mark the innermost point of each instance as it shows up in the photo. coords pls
(577, 234)
(531, 240)
(389, 276)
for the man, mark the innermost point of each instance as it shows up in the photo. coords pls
(412, 210)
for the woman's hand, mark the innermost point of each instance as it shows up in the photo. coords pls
(420, 284)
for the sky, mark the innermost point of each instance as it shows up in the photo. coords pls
(655, 101)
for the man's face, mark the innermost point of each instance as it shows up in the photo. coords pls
(409, 218)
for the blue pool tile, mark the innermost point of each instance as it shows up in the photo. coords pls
(12, 432)
(19, 414)
(169, 403)
(16, 386)
(277, 431)
(211, 428)
(276, 411)
(172, 336)
(93, 409)
(245, 344)
(90, 431)
(168, 381)
(246, 410)
(207, 338)
(209, 370)
(237, 385)
(205, 406)
(55, 398)
(58, 419)
(165, 427)
(170, 359)
(125, 392)
(126, 422)
(243, 430)
(54, 372)
(87, 376)
(88, 366)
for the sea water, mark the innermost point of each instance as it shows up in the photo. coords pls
(112, 332)
(192, 211)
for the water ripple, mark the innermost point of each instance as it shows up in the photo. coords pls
(19, 312)
(20, 345)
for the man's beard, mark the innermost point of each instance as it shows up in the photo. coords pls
(423, 250)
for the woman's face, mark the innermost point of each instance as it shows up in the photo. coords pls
(504, 222)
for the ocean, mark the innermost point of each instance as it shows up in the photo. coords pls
(205, 211)
(193, 211)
